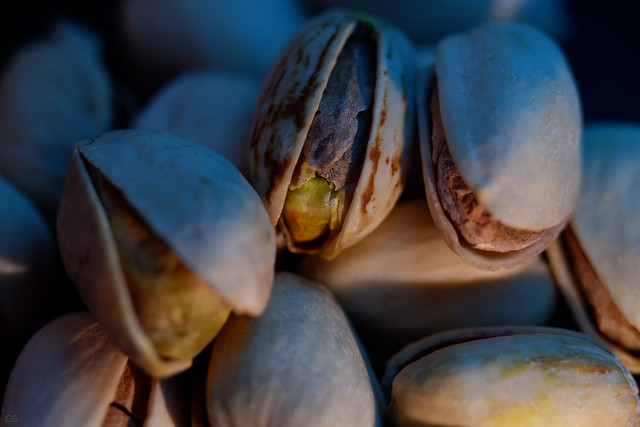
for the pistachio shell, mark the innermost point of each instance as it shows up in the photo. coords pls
(402, 282)
(606, 220)
(74, 384)
(544, 377)
(207, 107)
(512, 121)
(297, 364)
(193, 199)
(512, 117)
(53, 93)
(606, 227)
(289, 100)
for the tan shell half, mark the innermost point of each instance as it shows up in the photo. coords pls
(191, 198)
(77, 381)
(510, 376)
(289, 100)
(606, 224)
(402, 282)
(297, 364)
(512, 120)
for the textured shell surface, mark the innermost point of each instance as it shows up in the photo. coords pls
(297, 363)
(74, 384)
(512, 119)
(289, 100)
(606, 220)
(535, 378)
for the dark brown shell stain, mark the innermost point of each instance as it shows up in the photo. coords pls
(292, 107)
(374, 156)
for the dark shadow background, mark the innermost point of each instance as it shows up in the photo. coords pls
(604, 49)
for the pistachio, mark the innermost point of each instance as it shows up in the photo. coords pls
(402, 282)
(296, 364)
(53, 93)
(332, 131)
(163, 237)
(510, 376)
(208, 107)
(501, 148)
(85, 380)
(598, 266)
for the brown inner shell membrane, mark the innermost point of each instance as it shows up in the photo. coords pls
(608, 316)
(129, 406)
(473, 221)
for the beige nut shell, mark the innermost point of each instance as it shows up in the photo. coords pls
(193, 199)
(297, 364)
(290, 97)
(513, 122)
(606, 220)
(543, 376)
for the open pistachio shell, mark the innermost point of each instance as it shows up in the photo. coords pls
(297, 364)
(188, 203)
(599, 266)
(508, 110)
(84, 380)
(290, 100)
(402, 282)
(510, 376)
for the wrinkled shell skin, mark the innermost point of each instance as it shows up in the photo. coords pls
(541, 376)
(298, 363)
(512, 119)
(203, 209)
(402, 282)
(289, 99)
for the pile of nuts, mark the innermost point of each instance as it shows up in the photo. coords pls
(373, 217)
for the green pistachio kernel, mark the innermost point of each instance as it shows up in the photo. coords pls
(309, 210)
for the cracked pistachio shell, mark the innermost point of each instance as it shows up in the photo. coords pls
(510, 376)
(192, 199)
(53, 93)
(512, 120)
(606, 228)
(288, 103)
(297, 364)
(82, 374)
(402, 282)
(27, 262)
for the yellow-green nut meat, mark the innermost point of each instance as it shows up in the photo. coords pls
(332, 131)
(163, 238)
(510, 377)
(500, 131)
